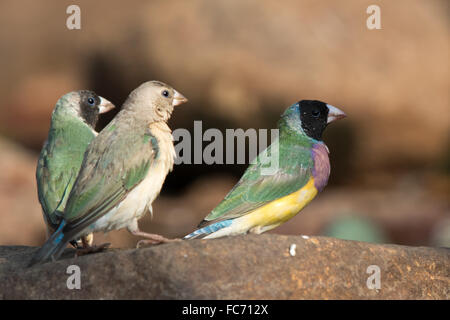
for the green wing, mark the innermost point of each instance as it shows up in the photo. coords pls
(114, 164)
(254, 190)
(58, 165)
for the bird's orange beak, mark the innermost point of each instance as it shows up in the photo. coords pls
(105, 105)
(334, 113)
(178, 98)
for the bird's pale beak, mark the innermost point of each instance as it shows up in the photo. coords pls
(334, 113)
(178, 98)
(105, 105)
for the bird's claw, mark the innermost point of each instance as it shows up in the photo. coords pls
(155, 241)
(92, 249)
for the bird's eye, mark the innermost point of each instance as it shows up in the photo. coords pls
(91, 101)
(315, 113)
(165, 93)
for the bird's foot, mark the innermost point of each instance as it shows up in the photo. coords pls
(92, 249)
(152, 239)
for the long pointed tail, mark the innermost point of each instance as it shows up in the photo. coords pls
(203, 232)
(52, 248)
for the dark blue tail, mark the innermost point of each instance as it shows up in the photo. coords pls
(52, 248)
(202, 232)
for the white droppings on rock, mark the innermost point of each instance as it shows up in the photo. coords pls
(292, 249)
(305, 237)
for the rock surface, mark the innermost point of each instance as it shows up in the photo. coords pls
(245, 267)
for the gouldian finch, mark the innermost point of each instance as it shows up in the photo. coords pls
(72, 128)
(259, 202)
(123, 170)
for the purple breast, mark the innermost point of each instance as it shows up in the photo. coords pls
(321, 170)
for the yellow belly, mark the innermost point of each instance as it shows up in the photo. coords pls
(275, 213)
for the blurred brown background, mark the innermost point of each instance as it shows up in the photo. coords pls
(241, 63)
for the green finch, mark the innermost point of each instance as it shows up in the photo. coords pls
(260, 202)
(122, 172)
(72, 128)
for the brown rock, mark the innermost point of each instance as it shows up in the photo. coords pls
(244, 267)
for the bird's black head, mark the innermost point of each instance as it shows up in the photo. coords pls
(91, 105)
(313, 116)
(316, 115)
